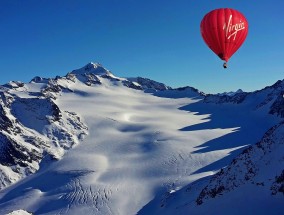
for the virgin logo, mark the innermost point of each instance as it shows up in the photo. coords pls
(232, 30)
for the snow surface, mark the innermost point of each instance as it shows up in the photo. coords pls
(251, 184)
(140, 147)
(19, 212)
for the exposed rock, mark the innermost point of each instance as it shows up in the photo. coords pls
(247, 167)
(31, 128)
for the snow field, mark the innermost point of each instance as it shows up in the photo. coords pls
(138, 147)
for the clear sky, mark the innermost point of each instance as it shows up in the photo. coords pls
(157, 39)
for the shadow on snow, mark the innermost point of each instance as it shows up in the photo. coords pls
(49, 184)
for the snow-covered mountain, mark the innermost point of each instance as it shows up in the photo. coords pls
(271, 97)
(231, 93)
(95, 143)
(258, 165)
(33, 128)
(253, 183)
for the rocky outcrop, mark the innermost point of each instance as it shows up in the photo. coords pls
(266, 156)
(30, 129)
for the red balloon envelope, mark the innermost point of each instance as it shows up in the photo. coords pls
(224, 31)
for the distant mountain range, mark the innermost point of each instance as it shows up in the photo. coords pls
(95, 143)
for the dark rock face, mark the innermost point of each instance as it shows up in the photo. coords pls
(278, 184)
(219, 99)
(92, 79)
(150, 84)
(38, 79)
(189, 88)
(14, 84)
(130, 84)
(13, 153)
(145, 84)
(5, 122)
(277, 107)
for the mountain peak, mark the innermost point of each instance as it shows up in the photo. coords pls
(231, 93)
(94, 68)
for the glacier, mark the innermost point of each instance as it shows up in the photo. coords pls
(90, 142)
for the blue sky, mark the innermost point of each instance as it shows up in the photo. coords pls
(157, 39)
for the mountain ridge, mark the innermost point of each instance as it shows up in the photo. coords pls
(179, 129)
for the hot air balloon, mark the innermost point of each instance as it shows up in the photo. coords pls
(224, 30)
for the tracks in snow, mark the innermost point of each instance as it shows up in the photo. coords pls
(98, 199)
